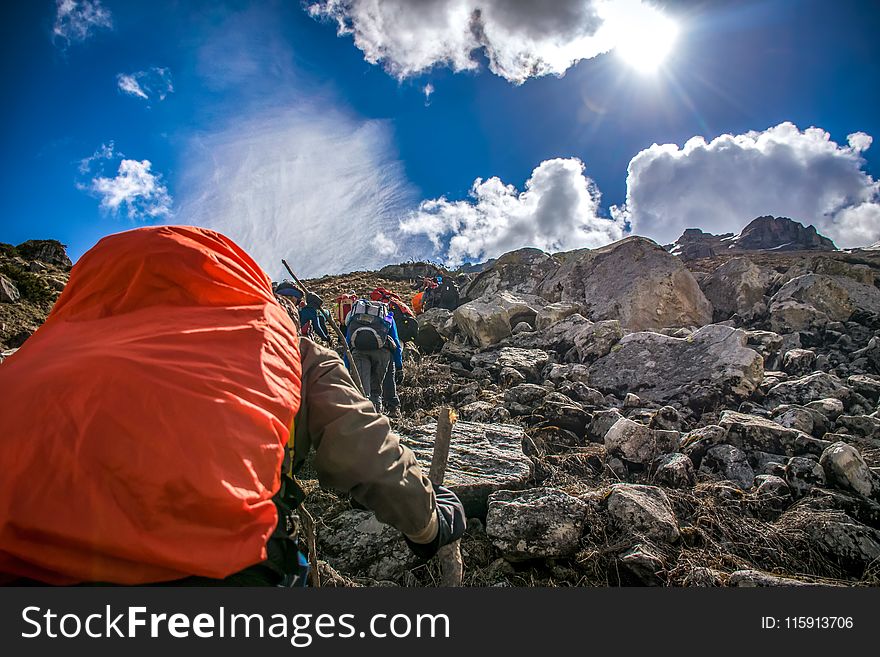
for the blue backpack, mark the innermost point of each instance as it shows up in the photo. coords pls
(368, 325)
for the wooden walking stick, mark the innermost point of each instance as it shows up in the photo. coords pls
(354, 370)
(451, 563)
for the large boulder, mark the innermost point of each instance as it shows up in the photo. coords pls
(711, 364)
(521, 271)
(536, 523)
(483, 458)
(635, 281)
(808, 301)
(435, 328)
(488, 320)
(597, 340)
(737, 287)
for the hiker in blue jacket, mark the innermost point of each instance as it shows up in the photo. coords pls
(313, 313)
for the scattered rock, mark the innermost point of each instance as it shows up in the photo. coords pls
(636, 443)
(644, 564)
(846, 469)
(483, 458)
(8, 292)
(356, 543)
(536, 523)
(731, 463)
(798, 361)
(675, 471)
(755, 578)
(802, 474)
(643, 510)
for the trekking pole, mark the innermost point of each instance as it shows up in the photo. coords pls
(451, 563)
(354, 370)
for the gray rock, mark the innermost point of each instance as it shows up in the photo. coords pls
(808, 301)
(812, 387)
(712, 363)
(520, 272)
(848, 543)
(354, 542)
(766, 343)
(487, 320)
(8, 292)
(554, 312)
(643, 510)
(802, 474)
(528, 362)
(435, 328)
(602, 421)
(846, 469)
(731, 463)
(750, 433)
(633, 280)
(773, 491)
(801, 418)
(522, 327)
(798, 361)
(830, 407)
(675, 471)
(867, 386)
(696, 443)
(483, 458)
(737, 287)
(636, 443)
(597, 340)
(859, 425)
(536, 523)
(644, 564)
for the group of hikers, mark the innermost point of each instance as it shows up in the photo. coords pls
(168, 402)
(376, 330)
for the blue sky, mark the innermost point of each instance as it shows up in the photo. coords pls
(281, 134)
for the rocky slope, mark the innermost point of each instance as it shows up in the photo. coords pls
(627, 418)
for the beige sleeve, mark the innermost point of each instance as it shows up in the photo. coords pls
(356, 451)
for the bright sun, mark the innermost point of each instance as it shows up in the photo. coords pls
(645, 44)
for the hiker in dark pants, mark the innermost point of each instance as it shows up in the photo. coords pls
(372, 336)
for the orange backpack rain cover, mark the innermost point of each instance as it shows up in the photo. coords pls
(142, 427)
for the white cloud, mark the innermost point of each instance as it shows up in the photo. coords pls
(520, 38)
(723, 184)
(154, 82)
(557, 211)
(134, 186)
(303, 183)
(76, 20)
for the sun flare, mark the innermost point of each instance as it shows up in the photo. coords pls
(645, 39)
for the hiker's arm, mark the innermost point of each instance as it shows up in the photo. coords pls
(357, 452)
(321, 326)
(398, 348)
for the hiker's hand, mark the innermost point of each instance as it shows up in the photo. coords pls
(451, 523)
(398, 377)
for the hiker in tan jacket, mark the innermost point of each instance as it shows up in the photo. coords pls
(356, 451)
